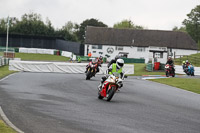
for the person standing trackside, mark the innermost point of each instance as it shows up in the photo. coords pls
(89, 54)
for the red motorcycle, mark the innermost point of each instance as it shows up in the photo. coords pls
(110, 86)
(169, 71)
(91, 70)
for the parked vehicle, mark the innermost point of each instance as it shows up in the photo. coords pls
(91, 70)
(110, 86)
(169, 70)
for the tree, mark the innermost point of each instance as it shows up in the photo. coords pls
(4, 22)
(68, 31)
(88, 22)
(182, 29)
(127, 24)
(192, 24)
(32, 24)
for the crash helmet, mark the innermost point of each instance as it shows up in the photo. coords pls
(101, 57)
(183, 62)
(186, 61)
(117, 57)
(169, 58)
(120, 63)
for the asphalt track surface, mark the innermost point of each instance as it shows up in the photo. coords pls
(67, 103)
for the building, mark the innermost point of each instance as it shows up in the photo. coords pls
(155, 45)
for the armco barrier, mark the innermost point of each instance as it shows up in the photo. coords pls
(59, 67)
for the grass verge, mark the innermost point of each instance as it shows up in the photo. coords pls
(194, 59)
(5, 72)
(3, 127)
(40, 57)
(140, 69)
(183, 83)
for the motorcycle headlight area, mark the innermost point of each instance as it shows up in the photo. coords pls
(112, 79)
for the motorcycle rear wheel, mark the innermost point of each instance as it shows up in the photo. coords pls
(192, 74)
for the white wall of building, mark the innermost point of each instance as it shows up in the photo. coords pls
(133, 53)
(137, 52)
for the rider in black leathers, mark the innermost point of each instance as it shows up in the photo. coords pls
(171, 63)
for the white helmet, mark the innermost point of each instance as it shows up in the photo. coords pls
(120, 63)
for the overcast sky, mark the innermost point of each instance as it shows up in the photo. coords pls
(152, 14)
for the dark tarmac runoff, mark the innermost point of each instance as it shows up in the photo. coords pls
(67, 103)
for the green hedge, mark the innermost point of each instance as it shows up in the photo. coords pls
(133, 60)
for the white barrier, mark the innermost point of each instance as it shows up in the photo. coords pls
(66, 54)
(59, 67)
(36, 50)
(179, 70)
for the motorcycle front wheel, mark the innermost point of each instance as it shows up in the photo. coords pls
(111, 93)
(99, 96)
(88, 75)
(167, 74)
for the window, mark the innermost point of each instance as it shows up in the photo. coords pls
(96, 46)
(158, 55)
(141, 49)
(94, 51)
(119, 48)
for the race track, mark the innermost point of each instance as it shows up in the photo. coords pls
(67, 103)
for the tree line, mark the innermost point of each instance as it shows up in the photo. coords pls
(32, 24)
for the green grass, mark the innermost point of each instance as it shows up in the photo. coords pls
(140, 69)
(4, 71)
(40, 57)
(194, 59)
(5, 129)
(183, 83)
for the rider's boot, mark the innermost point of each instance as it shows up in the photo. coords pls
(100, 85)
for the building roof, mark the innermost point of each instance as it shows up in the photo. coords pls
(139, 38)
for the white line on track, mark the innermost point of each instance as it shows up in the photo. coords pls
(4, 117)
(7, 77)
(7, 121)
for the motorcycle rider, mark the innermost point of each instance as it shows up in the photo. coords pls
(171, 63)
(99, 61)
(113, 60)
(93, 62)
(187, 63)
(184, 66)
(115, 67)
